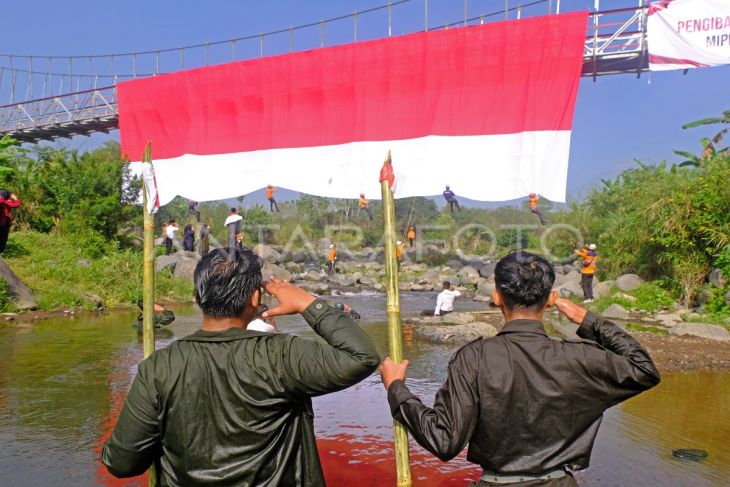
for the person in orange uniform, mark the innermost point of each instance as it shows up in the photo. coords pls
(588, 270)
(365, 205)
(399, 253)
(270, 190)
(332, 259)
(411, 235)
(533, 207)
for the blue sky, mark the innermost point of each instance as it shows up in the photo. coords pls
(617, 119)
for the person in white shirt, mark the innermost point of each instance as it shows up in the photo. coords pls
(260, 325)
(170, 230)
(444, 301)
(233, 222)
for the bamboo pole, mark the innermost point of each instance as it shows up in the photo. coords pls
(395, 334)
(148, 288)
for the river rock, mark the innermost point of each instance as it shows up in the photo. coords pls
(602, 289)
(702, 330)
(454, 264)
(21, 296)
(487, 270)
(431, 275)
(568, 268)
(414, 268)
(704, 295)
(616, 311)
(628, 282)
(455, 334)
(468, 271)
(267, 253)
(480, 298)
(568, 289)
(345, 280)
(313, 275)
(485, 288)
(276, 271)
(165, 262)
(366, 281)
(716, 278)
(319, 288)
(668, 319)
(185, 268)
(293, 267)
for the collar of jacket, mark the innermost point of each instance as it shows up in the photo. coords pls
(231, 334)
(523, 326)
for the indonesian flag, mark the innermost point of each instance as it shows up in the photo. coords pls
(486, 109)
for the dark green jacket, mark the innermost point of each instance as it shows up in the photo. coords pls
(234, 407)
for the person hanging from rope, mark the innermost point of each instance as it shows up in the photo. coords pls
(411, 235)
(528, 406)
(270, 190)
(365, 205)
(233, 222)
(204, 239)
(451, 199)
(534, 198)
(399, 253)
(8, 201)
(170, 230)
(587, 269)
(193, 208)
(332, 259)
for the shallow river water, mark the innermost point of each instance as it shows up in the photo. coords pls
(63, 382)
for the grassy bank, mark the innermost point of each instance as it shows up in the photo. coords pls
(73, 272)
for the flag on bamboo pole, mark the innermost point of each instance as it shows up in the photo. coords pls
(487, 109)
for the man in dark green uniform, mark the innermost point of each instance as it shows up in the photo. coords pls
(230, 406)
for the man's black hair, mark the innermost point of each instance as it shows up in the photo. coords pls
(524, 280)
(446, 285)
(171, 221)
(225, 280)
(233, 210)
(4, 194)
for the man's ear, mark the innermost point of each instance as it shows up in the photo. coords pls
(497, 298)
(255, 300)
(551, 299)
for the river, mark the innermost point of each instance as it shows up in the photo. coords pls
(63, 382)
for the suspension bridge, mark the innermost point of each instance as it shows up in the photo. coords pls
(50, 97)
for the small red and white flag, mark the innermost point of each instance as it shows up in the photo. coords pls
(487, 109)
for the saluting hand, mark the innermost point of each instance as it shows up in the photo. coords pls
(572, 311)
(292, 300)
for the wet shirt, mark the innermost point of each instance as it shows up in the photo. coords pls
(170, 231)
(445, 301)
(234, 407)
(524, 402)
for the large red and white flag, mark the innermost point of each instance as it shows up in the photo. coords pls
(487, 109)
(685, 34)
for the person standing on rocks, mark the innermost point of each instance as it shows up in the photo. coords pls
(270, 190)
(444, 301)
(528, 406)
(204, 239)
(193, 208)
(399, 253)
(332, 260)
(189, 238)
(534, 198)
(8, 201)
(587, 269)
(451, 199)
(365, 205)
(233, 222)
(170, 230)
(411, 235)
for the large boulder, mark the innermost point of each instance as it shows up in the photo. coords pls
(485, 288)
(313, 275)
(366, 281)
(345, 280)
(293, 267)
(319, 288)
(702, 330)
(628, 282)
(273, 270)
(185, 268)
(21, 296)
(487, 270)
(267, 253)
(716, 278)
(165, 262)
(455, 334)
(454, 264)
(468, 271)
(572, 276)
(602, 289)
(616, 311)
(568, 289)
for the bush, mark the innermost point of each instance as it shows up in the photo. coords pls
(6, 303)
(646, 328)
